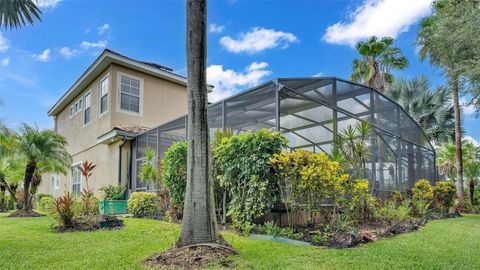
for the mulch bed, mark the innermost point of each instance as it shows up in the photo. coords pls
(192, 257)
(24, 214)
(93, 223)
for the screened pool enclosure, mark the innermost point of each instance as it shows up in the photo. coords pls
(311, 112)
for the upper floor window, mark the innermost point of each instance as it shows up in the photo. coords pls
(71, 111)
(104, 95)
(130, 94)
(76, 179)
(87, 111)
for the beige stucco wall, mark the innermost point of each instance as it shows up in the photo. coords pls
(161, 102)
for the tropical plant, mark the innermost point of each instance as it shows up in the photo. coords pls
(40, 147)
(472, 173)
(444, 194)
(392, 212)
(87, 170)
(361, 201)
(422, 190)
(450, 39)
(148, 170)
(308, 178)
(352, 145)
(378, 58)
(247, 173)
(431, 108)
(64, 210)
(174, 173)
(17, 13)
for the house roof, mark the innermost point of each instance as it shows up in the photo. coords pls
(126, 132)
(132, 128)
(106, 58)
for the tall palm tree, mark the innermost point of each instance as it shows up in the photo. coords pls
(431, 108)
(40, 148)
(17, 13)
(378, 58)
(449, 38)
(199, 222)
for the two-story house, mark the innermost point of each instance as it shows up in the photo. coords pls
(113, 100)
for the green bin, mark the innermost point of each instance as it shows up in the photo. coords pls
(112, 207)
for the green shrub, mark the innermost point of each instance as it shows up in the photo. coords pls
(45, 204)
(89, 203)
(422, 191)
(111, 192)
(247, 174)
(174, 173)
(393, 212)
(41, 195)
(270, 228)
(444, 193)
(143, 204)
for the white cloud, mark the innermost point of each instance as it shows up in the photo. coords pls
(4, 43)
(5, 61)
(102, 29)
(472, 140)
(381, 18)
(98, 44)
(215, 28)
(227, 81)
(68, 53)
(257, 40)
(44, 56)
(467, 108)
(47, 3)
(318, 74)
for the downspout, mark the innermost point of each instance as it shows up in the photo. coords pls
(120, 147)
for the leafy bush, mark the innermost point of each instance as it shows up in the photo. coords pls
(64, 210)
(143, 204)
(45, 204)
(392, 212)
(270, 228)
(362, 202)
(174, 173)
(422, 191)
(444, 193)
(244, 161)
(111, 193)
(41, 195)
(310, 178)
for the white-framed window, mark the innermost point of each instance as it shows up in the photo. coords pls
(130, 94)
(76, 179)
(104, 95)
(130, 91)
(71, 111)
(87, 111)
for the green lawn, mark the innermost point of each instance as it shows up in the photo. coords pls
(31, 244)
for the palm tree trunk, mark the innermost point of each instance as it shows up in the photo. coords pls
(458, 140)
(3, 188)
(199, 221)
(29, 171)
(472, 191)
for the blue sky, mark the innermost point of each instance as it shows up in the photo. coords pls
(248, 42)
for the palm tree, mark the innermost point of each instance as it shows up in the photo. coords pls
(378, 58)
(431, 108)
(472, 172)
(199, 223)
(446, 160)
(40, 147)
(17, 13)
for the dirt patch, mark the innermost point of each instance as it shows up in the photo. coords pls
(24, 214)
(192, 257)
